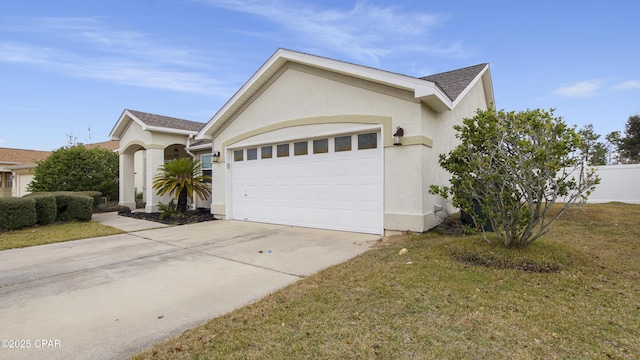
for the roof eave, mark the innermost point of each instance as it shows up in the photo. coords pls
(122, 124)
(424, 90)
(169, 130)
(432, 95)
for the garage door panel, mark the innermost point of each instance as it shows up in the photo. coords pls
(334, 190)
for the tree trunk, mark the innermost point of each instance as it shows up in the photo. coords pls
(182, 201)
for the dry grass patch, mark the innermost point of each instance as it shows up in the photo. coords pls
(40, 235)
(425, 304)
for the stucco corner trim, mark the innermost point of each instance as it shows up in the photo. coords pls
(417, 140)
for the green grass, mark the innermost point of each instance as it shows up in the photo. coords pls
(425, 304)
(39, 235)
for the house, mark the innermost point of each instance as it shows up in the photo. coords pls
(17, 167)
(16, 170)
(309, 141)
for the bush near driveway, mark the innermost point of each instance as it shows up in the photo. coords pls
(73, 207)
(46, 209)
(16, 213)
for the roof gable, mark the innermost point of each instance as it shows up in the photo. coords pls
(454, 82)
(153, 122)
(441, 93)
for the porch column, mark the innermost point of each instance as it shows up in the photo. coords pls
(126, 188)
(155, 158)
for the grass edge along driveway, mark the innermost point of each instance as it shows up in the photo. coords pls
(53, 233)
(431, 303)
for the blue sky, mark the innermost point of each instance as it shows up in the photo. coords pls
(70, 67)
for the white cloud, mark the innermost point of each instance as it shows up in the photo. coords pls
(580, 89)
(85, 47)
(628, 85)
(365, 32)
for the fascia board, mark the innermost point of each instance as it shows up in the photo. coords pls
(122, 124)
(201, 146)
(431, 94)
(421, 88)
(233, 101)
(169, 130)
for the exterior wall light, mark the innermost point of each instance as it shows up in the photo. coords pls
(397, 137)
(175, 152)
(215, 156)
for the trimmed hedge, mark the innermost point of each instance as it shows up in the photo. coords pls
(46, 209)
(17, 213)
(96, 195)
(73, 206)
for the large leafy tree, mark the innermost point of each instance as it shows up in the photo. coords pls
(630, 144)
(76, 168)
(181, 178)
(515, 166)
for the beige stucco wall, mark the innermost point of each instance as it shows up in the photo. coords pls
(22, 178)
(298, 95)
(440, 127)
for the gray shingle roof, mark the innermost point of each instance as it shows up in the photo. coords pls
(455, 81)
(167, 122)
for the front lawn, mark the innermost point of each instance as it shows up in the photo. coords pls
(578, 297)
(39, 235)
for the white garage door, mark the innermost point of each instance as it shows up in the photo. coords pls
(329, 183)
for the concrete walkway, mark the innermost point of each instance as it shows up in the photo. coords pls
(111, 297)
(125, 223)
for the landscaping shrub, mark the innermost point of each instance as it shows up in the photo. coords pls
(96, 195)
(46, 209)
(17, 213)
(73, 206)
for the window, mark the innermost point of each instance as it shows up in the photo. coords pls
(266, 152)
(205, 161)
(283, 150)
(205, 166)
(252, 154)
(301, 148)
(321, 146)
(238, 155)
(343, 143)
(10, 181)
(367, 141)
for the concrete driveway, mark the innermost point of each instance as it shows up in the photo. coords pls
(111, 297)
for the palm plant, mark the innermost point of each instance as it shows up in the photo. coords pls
(181, 179)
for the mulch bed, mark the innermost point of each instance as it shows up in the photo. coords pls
(190, 217)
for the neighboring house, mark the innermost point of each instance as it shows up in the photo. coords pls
(16, 170)
(309, 141)
(17, 167)
(109, 145)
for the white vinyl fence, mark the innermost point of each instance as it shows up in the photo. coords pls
(617, 183)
